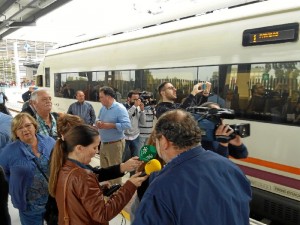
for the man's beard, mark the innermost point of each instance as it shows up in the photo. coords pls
(171, 97)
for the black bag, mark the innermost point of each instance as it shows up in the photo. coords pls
(51, 214)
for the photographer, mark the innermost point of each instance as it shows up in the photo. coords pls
(233, 147)
(135, 109)
(168, 95)
(146, 129)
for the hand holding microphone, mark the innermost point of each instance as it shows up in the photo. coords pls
(152, 166)
(130, 165)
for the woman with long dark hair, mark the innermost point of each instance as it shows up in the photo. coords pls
(76, 188)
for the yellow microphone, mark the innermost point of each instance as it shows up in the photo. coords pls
(152, 166)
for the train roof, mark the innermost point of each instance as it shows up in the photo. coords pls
(238, 12)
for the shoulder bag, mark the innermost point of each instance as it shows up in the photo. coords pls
(51, 214)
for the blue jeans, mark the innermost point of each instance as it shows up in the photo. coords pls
(143, 141)
(132, 148)
(32, 217)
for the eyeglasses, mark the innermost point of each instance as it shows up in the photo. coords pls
(26, 126)
(171, 88)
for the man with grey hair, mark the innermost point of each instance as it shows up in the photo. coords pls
(42, 103)
(196, 187)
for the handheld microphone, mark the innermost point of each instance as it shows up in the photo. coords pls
(152, 166)
(147, 152)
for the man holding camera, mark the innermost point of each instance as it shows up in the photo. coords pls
(168, 95)
(135, 108)
(233, 147)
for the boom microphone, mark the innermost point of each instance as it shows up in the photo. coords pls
(152, 166)
(147, 152)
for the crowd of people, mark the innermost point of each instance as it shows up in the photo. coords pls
(45, 154)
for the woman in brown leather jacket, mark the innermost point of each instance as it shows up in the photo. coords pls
(75, 187)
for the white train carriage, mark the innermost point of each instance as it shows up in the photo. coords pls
(251, 55)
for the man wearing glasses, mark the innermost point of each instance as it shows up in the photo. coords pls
(168, 96)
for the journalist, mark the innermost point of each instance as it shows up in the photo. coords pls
(168, 96)
(76, 189)
(234, 147)
(135, 109)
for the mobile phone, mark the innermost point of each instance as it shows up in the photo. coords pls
(108, 192)
(203, 87)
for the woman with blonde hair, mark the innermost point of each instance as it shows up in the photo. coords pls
(25, 162)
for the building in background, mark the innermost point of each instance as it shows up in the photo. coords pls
(19, 60)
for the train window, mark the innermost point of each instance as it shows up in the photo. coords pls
(208, 73)
(274, 91)
(266, 92)
(39, 80)
(182, 78)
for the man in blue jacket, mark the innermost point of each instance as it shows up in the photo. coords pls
(196, 187)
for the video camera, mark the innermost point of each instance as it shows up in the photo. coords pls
(210, 118)
(147, 98)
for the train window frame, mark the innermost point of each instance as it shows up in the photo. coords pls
(47, 77)
(271, 35)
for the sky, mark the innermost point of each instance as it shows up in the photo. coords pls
(103, 17)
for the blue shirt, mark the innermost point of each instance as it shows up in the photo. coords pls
(5, 131)
(16, 158)
(118, 115)
(198, 187)
(217, 99)
(84, 110)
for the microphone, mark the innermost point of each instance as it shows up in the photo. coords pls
(147, 152)
(152, 166)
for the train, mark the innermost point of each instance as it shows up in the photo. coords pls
(249, 53)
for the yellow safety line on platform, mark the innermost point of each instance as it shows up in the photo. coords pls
(126, 215)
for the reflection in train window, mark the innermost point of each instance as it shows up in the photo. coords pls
(267, 91)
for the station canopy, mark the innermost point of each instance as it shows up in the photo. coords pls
(63, 20)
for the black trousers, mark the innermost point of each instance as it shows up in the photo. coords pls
(4, 213)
